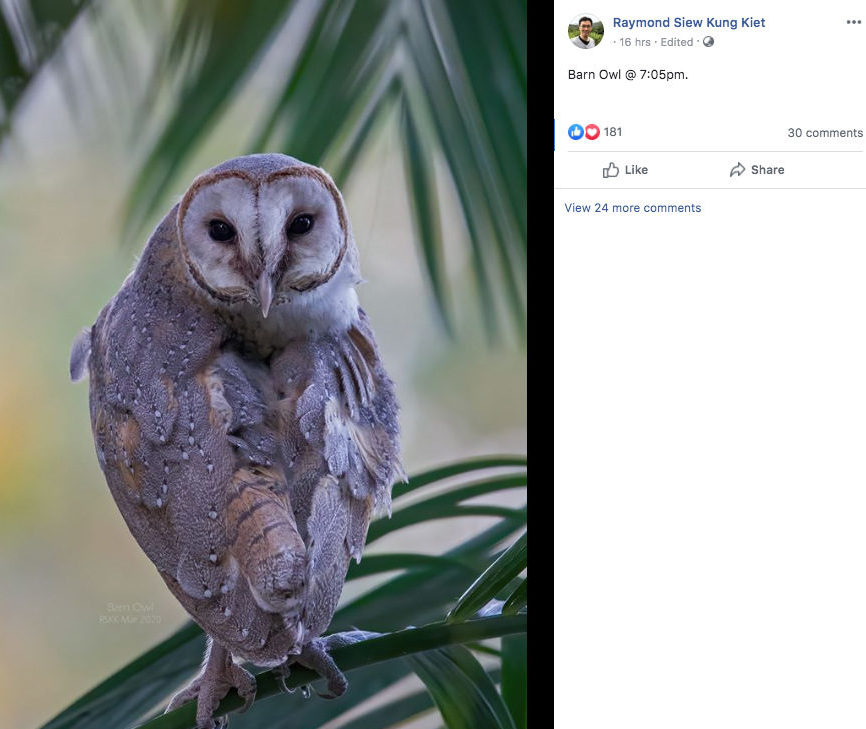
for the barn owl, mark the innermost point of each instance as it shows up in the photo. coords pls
(242, 416)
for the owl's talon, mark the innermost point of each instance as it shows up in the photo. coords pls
(245, 684)
(281, 673)
(185, 695)
(219, 675)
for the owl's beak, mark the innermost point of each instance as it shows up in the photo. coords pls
(265, 290)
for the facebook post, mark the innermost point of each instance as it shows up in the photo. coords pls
(710, 365)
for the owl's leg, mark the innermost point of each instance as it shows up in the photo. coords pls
(219, 675)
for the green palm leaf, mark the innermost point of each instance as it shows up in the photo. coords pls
(454, 71)
(375, 650)
(506, 567)
(30, 33)
(463, 692)
(514, 677)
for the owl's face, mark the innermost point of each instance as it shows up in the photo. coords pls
(262, 239)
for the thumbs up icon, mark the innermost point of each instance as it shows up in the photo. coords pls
(610, 171)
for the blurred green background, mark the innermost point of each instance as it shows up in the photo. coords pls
(94, 151)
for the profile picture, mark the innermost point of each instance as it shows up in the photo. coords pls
(585, 31)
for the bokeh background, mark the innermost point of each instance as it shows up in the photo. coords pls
(72, 153)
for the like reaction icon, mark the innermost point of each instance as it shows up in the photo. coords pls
(575, 131)
(610, 171)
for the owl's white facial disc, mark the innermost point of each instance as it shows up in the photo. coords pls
(209, 212)
(267, 240)
(303, 230)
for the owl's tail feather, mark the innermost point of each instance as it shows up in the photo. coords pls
(79, 358)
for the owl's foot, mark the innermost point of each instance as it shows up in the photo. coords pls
(315, 656)
(219, 676)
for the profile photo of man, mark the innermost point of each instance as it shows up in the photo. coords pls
(586, 32)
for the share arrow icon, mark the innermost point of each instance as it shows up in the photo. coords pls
(738, 170)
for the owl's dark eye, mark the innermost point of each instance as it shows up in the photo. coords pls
(300, 225)
(220, 230)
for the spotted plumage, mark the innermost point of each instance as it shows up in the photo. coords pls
(242, 416)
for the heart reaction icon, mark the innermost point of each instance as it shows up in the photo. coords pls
(592, 131)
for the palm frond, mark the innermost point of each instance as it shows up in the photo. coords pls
(506, 567)
(371, 651)
(423, 591)
(463, 692)
(455, 72)
(30, 33)
(230, 38)
(514, 677)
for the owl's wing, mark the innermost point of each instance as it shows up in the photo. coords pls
(193, 467)
(174, 418)
(79, 357)
(158, 430)
(344, 440)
